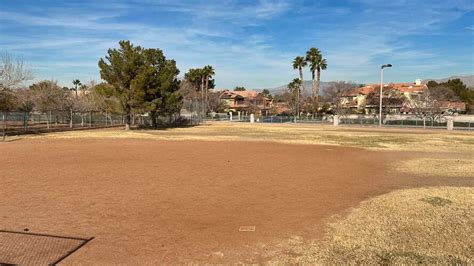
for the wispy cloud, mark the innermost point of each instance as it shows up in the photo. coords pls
(250, 43)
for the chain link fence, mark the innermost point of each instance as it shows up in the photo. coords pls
(18, 122)
(410, 122)
(463, 123)
(267, 118)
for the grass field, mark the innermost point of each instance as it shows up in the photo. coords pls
(312, 193)
(371, 138)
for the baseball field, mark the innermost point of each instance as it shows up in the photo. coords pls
(238, 193)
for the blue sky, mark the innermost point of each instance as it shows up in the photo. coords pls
(249, 43)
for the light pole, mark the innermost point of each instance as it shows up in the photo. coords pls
(381, 86)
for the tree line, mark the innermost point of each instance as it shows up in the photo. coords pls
(144, 81)
(137, 80)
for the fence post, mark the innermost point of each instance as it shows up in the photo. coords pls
(90, 118)
(48, 118)
(450, 123)
(335, 120)
(106, 123)
(70, 121)
(4, 133)
(25, 121)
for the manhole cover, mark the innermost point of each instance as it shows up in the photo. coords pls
(24, 248)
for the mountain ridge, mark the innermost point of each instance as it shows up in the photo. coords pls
(467, 80)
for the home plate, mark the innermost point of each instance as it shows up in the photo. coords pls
(247, 228)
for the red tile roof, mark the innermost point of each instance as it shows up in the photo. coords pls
(250, 95)
(454, 105)
(402, 87)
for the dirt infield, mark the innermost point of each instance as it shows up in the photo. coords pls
(149, 201)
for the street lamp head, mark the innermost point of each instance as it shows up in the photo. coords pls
(387, 65)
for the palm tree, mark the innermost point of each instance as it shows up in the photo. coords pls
(313, 56)
(200, 73)
(196, 77)
(322, 65)
(208, 73)
(299, 63)
(294, 89)
(76, 83)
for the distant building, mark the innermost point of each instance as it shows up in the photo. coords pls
(246, 102)
(397, 97)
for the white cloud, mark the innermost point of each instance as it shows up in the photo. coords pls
(217, 33)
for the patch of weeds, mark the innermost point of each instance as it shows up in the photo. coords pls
(393, 256)
(397, 257)
(436, 201)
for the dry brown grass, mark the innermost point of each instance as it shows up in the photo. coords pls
(371, 138)
(437, 167)
(431, 225)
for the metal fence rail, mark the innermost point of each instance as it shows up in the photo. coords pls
(19, 122)
(349, 121)
(269, 119)
(23, 121)
(407, 123)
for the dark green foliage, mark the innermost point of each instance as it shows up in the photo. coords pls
(197, 76)
(239, 88)
(76, 83)
(266, 93)
(200, 79)
(120, 67)
(141, 79)
(156, 85)
(103, 98)
(459, 89)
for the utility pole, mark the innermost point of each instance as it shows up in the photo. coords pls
(381, 91)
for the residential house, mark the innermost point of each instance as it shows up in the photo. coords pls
(397, 98)
(246, 102)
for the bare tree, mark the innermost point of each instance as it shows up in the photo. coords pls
(392, 100)
(429, 103)
(49, 96)
(80, 105)
(334, 93)
(24, 102)
(192, 100)
(215, 103)
(295, 102)
(12, 74)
